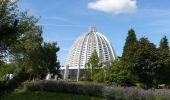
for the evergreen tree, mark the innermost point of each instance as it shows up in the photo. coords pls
(127, 58)
(163, 70)
(164, 44)
(129, 49)
(92, 66)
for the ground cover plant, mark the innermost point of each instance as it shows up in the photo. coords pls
(99, 90)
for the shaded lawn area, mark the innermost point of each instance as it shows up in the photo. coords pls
(41, 95)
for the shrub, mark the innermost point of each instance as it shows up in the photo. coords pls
(93, 89)
(99, 90)
(89, 89)
(112, 93)
(127, 93)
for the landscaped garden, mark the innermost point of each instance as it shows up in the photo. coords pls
(141, 73)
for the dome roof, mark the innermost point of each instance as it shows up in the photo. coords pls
(85, 45)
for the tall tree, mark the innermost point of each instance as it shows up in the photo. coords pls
(164, 62)
(128, 57)
(26, 51)
(129, 49)
(8, 25)
(145, 62)
(164, 44)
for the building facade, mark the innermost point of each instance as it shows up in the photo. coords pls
(82, 50)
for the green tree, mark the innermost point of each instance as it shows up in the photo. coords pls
(130, 48)
(113, 72)
(37, 57)
(49, 58)
(146, 58)
(117, 74)
(163, 71)
(27, 51)
(92, 66)
(8, 26)
(9, 31)
(128, 57)
(164, 44)
(21, 39)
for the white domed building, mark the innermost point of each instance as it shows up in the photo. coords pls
(82, 50)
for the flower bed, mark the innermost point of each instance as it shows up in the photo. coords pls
(99, 90)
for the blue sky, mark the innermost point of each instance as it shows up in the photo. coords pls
(64, 20)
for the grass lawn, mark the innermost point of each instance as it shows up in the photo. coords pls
(20, 94)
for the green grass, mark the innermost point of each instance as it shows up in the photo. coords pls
(20, 94)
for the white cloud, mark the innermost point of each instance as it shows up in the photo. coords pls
(114, 6)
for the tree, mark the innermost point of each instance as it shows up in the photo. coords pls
(49, 58)
(21, 39)
(115, 73)
(8, 25)
(92, 66)
(37, 57)
(27, 50)
(164, 62)
(129, 50)
(9, 31)
(145, 62)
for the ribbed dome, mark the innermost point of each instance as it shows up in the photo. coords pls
(85, 45)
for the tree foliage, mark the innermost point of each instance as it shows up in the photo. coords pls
(8, 25)
(21, 40)
(141, 63)
(146, 58)
(128, 56)
(92, 66)
(129, 49)
(49, 58)
(164, 62)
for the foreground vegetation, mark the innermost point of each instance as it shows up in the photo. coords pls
(42, 95)
(99, 90)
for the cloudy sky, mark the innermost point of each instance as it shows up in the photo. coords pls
(64, 20)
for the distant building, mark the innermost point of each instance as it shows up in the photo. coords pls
(82, 49)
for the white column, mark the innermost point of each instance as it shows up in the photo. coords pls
(66, 72)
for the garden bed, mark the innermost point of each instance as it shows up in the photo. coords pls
(98, 90)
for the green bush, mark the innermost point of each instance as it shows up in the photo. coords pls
(89, 89)
(7, 87)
